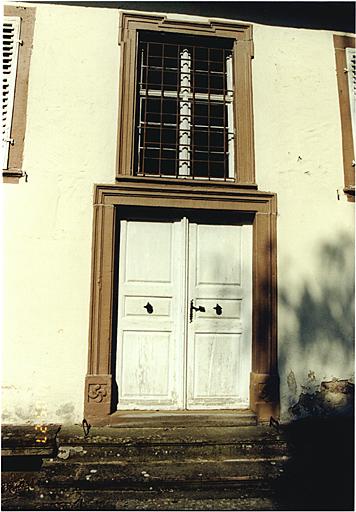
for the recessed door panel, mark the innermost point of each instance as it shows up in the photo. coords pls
(219, 254)
(141, 378)
(148, 252)
(210, 357)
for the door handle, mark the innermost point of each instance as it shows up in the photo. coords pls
(194, 308)
(218, 309)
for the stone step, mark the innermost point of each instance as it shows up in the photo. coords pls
(171, 443)
(167, 451)
(146, 475)
(163, 499)
(35, 498)
(162, 452)
(146, 419)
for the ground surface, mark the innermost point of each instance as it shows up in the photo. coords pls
(307, 466)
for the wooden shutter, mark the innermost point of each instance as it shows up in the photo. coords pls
(11, 41)
(351, 71)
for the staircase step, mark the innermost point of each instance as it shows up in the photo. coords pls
(172, 443)
(258, 498)
(128, 475)
(173, 452)
(223, 418)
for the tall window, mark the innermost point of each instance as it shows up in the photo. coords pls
(185, 107)
(184, 119)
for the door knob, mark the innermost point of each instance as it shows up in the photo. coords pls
(149, 308)
(194, 308)
(218, 309)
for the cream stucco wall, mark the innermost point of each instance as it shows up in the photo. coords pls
(299, 156)
(71, 144)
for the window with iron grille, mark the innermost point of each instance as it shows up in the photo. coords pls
(184, 113)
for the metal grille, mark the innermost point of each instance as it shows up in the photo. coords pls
(185, 107)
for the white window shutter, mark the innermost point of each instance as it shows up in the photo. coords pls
(351, 71)
(11, 41)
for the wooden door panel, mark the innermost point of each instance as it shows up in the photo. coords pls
(148, 252)
(215, 373)
(146, 366)
(149, 360)
(219, 335)
(219, 255)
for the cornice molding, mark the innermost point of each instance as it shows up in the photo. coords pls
(144, 21)
(214, 195)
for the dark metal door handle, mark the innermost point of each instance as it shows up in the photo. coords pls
(149, 308)
(194, 308)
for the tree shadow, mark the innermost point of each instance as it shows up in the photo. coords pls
(320, 337)
(318, 341)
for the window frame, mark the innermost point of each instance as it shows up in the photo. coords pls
(14, 169)
(341, 42)
(130, 24)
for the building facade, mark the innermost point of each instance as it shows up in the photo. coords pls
(178, 215)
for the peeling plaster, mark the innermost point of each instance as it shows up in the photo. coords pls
(335, 397)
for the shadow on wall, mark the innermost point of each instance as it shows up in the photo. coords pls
(320, 335)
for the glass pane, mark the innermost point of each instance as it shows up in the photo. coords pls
(149, 161)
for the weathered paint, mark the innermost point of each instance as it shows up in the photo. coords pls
(71, 144)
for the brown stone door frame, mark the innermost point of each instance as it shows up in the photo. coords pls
(100, 388)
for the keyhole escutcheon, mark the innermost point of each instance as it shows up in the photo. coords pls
(148, 308)
(218, 309)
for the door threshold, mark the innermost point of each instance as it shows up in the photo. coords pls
(183, 418)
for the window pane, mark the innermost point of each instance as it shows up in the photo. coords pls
(150, 161)
(152, 135)
(154, 78)
(170, 80)
(168, 167)
(169, 136)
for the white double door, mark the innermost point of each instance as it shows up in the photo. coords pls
(184, 318)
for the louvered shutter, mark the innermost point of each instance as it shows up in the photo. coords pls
(11, 40)
(351, 68)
